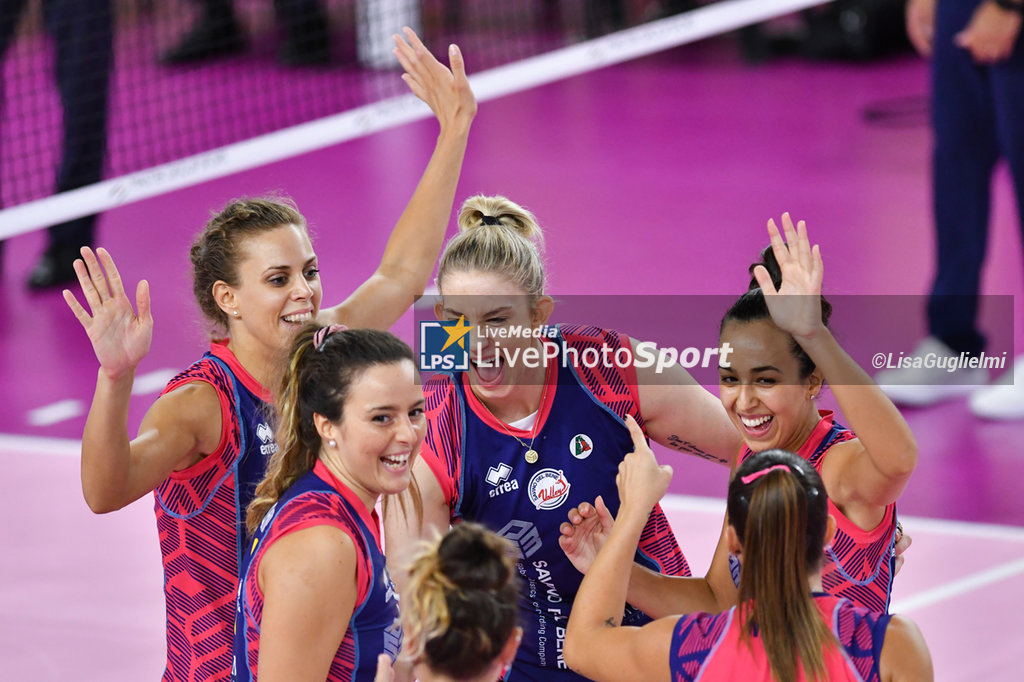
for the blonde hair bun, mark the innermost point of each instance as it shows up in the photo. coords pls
(482, 211)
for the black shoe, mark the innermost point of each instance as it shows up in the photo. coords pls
(52, 270)
(206, 40)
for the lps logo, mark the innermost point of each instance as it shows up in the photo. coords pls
(499, 479)
(524, 536)
(443, 345)
(548, 489)
(581, 446)
(266, 435)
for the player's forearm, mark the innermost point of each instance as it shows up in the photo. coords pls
(660, 595)
(106, 446)
(601, 598)
(416, 240)
(884, 433)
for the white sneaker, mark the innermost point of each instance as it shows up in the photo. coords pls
(921, 377)
(1004, 399)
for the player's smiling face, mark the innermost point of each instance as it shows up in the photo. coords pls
(494, 306)
(762, 390)
(378, 437)
(279, 288)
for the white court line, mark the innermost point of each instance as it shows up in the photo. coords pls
(955, 588)
(62, 447)
(988, 531)
(153, 382)
(55, 412)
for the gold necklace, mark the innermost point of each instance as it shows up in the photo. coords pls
(531, 455)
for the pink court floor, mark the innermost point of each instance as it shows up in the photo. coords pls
(654, 177)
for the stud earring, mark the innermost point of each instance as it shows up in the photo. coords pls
(332, 443)
(236, 313)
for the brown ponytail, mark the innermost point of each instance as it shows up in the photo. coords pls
(780, 515)
(318, 380)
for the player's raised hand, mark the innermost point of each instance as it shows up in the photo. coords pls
(446, 91)
(119, 336)
(584, 534)
(641, 480)
(795, 306)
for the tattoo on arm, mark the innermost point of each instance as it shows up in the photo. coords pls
(686, 446)
(610, 623)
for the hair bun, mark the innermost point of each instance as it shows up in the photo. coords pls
(770, 264)
(481, 211)
(472, 560)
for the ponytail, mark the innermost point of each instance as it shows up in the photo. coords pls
(322, 366)
(777, 506)
(463, 592)
(496, 235)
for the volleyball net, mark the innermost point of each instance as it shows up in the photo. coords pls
(199, 90)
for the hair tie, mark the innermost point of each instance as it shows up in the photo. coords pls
(750, 478)
(321, 334)
(490, 220)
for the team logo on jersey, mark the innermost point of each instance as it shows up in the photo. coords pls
(548, 489)
(581, 446)
(443, 345)
(498, 477)
(266, 434)
(524, 536)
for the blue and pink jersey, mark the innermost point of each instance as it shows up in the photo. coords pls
(318, 499)
(200, 514)
(580, 436)
(708, 647)
(859, 563)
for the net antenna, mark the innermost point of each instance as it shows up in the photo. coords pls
(558, 64)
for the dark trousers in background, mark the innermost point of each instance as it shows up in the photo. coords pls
(82, 31)
(978, 116)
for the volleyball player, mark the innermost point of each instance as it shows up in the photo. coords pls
(785, 627)
(203, 445)
(459, 611)
(783, 353)
(513, 445)
(315, 602)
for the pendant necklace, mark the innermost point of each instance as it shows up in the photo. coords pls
(531, 455)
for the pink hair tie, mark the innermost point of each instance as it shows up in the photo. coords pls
(321, 334)
(750, 478)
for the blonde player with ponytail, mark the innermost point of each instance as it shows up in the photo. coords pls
(513, 444)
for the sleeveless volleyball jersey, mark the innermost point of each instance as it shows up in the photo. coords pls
(200, 513)
(581, 438)
(859, 563)
(708, 647)
(317, 499)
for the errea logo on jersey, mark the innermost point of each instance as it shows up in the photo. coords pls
(266, 434)
(498, 477)
(548, 489)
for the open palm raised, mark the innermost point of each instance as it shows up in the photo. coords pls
(119, 337)
(795, 306)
